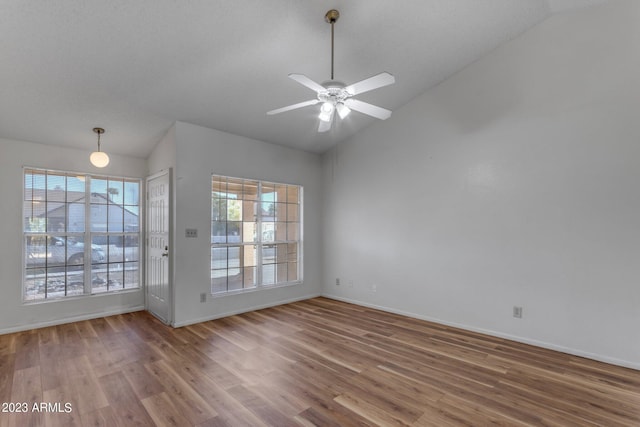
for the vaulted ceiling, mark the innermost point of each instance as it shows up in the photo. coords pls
(135, 67)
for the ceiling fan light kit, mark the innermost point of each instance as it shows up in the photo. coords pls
(335, 96)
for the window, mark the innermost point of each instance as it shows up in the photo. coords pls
(255, 234)
(70, 218)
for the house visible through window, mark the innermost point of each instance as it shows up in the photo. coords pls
(81, 234)
(255, 234)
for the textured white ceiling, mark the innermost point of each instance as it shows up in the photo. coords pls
(134, 67)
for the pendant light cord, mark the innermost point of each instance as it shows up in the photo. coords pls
(99, 131)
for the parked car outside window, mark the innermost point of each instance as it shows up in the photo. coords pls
(52, 251)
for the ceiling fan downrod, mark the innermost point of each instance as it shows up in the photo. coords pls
(331, 17)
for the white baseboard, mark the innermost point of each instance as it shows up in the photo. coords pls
(542, 344)
(71, 319)
(244, 310)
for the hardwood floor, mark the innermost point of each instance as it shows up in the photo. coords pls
(312, 363)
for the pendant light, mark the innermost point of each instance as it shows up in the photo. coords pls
(99, 158)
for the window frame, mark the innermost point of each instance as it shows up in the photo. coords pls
(86, 236)
(258, 243)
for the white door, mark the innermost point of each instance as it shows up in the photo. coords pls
(158, 245)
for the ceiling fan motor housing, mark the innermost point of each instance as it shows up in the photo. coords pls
(334, 92)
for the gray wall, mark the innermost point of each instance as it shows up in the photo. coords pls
(513, 183)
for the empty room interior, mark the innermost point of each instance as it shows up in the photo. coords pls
(367, 213)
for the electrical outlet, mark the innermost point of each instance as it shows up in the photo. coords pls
(517, 312)
(374, 287)
(191, 232)
(337, 281)
(203, 297)
(350, 283)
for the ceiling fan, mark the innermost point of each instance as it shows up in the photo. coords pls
(335, 96)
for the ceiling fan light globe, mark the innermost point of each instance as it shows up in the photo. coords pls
(343, 110)
(99, 159)
(324, 116)
(327, 108)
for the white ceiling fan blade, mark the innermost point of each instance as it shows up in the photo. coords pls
(368, 109)
(306, 81)
(379, 80)
(293, 107)
(325, 126)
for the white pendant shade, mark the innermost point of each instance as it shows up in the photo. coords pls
(99, 159)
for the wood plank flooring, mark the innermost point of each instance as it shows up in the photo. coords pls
(313, 363)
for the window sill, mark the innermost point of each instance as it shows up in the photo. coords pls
(80, 297)
(256, 289)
